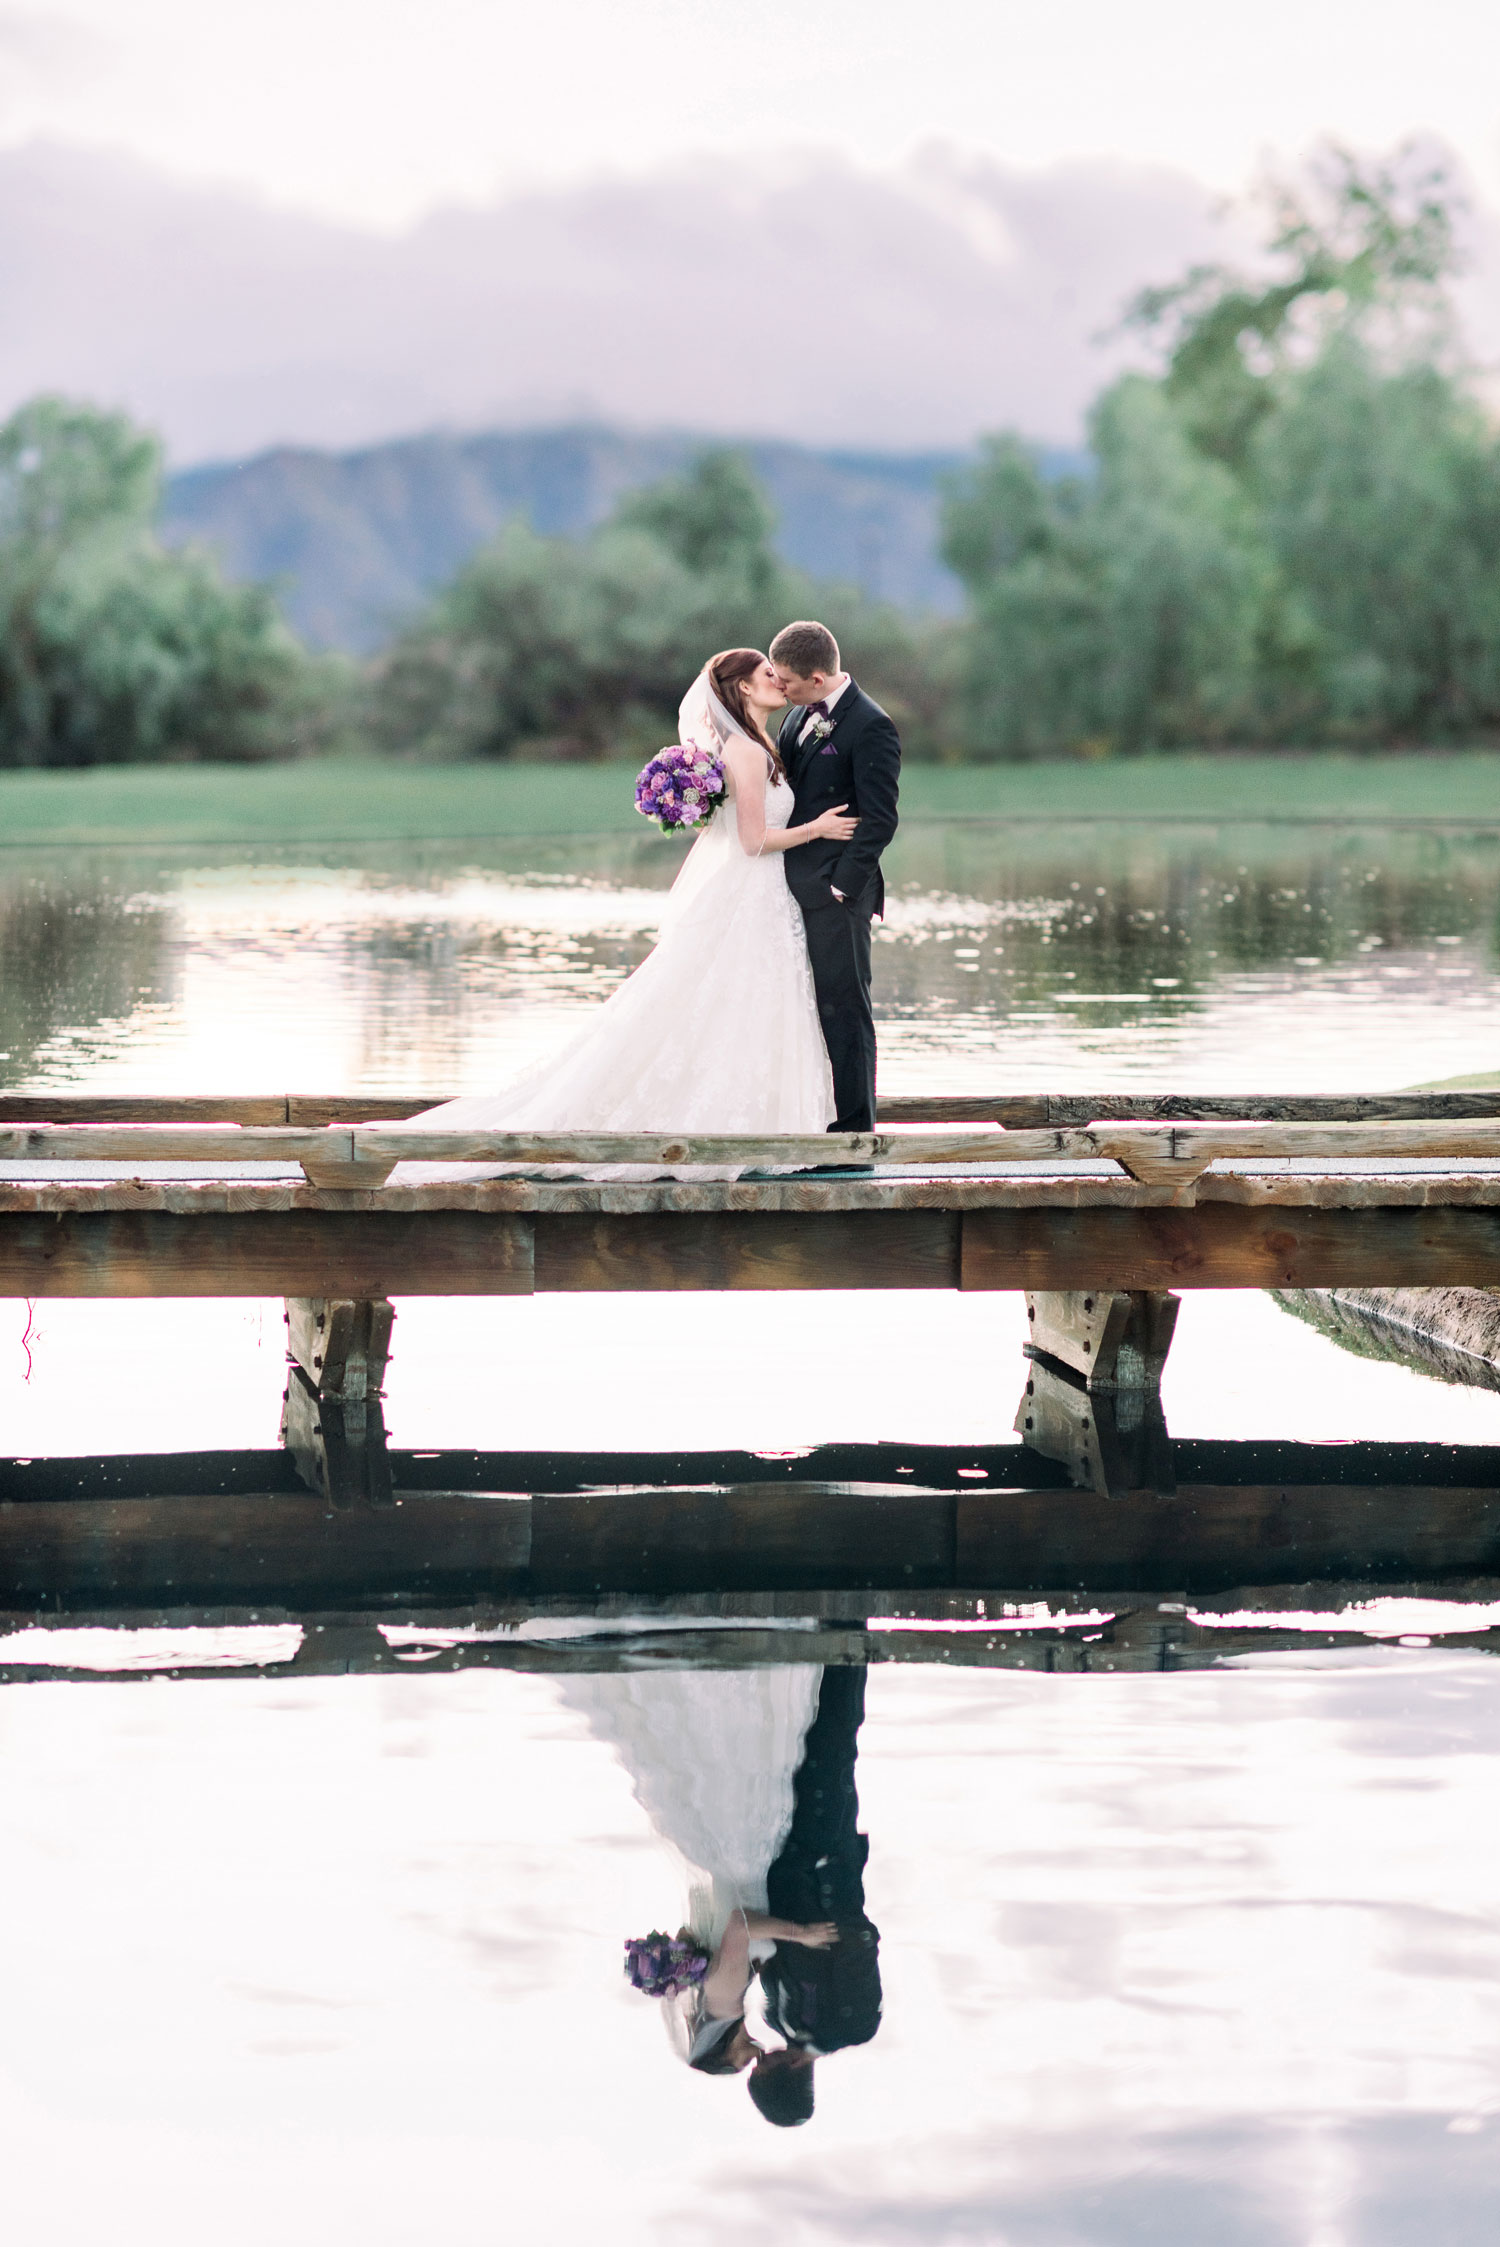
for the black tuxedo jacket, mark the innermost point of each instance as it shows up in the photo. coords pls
(826, 1998)
(858, 764)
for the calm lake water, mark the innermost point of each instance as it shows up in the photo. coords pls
(1172, 1958)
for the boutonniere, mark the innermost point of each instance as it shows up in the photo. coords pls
(818, 731)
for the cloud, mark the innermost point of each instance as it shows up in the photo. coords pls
(42, 56)
(812, 300)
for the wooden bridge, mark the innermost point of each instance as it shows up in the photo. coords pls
(288, 1195)
(1098, 1208)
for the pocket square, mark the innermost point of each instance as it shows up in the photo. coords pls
(828, 750)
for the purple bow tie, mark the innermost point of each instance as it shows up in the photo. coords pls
(817, 709)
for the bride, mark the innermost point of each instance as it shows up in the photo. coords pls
(712, 1755)
(717, 1030)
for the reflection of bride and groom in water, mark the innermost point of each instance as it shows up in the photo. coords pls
(749, 1776)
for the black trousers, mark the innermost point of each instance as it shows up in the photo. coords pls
(831, 1998)
(838, 944)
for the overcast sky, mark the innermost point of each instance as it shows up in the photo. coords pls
(377, 111)
(330, 222)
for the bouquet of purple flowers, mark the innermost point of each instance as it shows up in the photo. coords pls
(660, 1965)
(681, 787)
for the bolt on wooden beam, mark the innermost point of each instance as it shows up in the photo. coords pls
(342, 1345)
(1113, 1442)
(1115, 1339)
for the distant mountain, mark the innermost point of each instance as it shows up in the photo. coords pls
(356, 539)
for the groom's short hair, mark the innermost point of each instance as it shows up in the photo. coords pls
(784, 2095)
(806, 647)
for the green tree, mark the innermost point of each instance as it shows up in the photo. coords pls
(714, 519)
(563, 647)
(1292, 533)
(1380, 495)
(1032, 664)
(113, 649)
(1360, 245)
(1116, 612)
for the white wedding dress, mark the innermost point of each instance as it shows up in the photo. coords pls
(716, 1031)
(711, 1756)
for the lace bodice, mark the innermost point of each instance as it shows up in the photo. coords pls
(780, 797)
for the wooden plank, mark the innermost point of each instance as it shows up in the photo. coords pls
(274, 1252)
(845, 1248)
(1018, 1111)
(306, 1109)
(707, 1149)
(95, 1107)
(177, 1142)
(1209, 1539)
(807, 1536)
(1157, 1153)
(289, 1553)
(1171, 1155)
(899, 1466)
(1250, 1107)
(1227, 1244)
(345, 1107)
(480, 1252)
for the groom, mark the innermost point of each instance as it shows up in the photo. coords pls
(838, 747)
(821, 2000)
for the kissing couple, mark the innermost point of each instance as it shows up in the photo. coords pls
(752, 1013)
(749, 1777)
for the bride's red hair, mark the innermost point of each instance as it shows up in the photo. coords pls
(727, 674)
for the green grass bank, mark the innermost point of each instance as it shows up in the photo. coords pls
(369, 801)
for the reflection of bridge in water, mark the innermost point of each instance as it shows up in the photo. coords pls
(1127, 1549)
(851, 1553)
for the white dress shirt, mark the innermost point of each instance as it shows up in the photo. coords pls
(830, 700)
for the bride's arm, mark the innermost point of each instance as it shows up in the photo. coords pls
(814, 1935)
(728, 1975)
(747, 766)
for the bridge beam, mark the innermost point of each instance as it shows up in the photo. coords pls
(1052, 1236)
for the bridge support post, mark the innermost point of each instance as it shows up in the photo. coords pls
(1093, 1389)
(332, 1421)
(1110, 1340)
(342, 1346)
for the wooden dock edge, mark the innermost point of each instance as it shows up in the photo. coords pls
(371, 1253)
